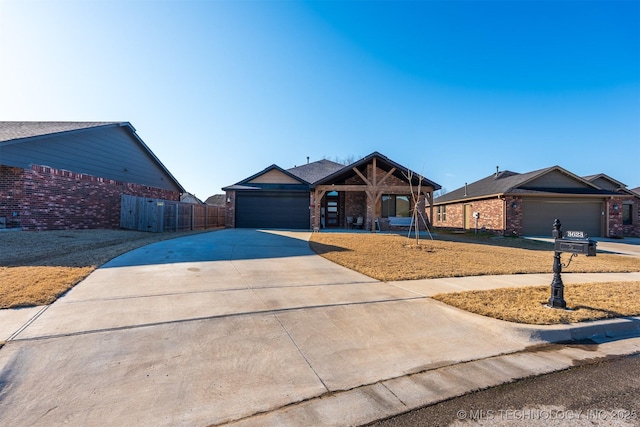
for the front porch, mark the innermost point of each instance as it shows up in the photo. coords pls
(375, 194)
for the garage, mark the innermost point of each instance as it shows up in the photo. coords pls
(272, 209)
(582, 215)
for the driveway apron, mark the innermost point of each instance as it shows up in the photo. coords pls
(216, 327)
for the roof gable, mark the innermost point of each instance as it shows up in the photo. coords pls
(555, 178)
(103, 149)
(548, 180)
(271, 177)
(274, 176)
(383, 163)
(605, 182)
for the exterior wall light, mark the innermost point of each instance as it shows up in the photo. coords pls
(228, 199)
(514, 205)
(615, 207)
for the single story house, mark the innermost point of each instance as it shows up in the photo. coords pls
(71, 175)
(512, 203)
(371, 192)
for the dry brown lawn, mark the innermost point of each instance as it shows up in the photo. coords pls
(590, 301)
(36, 267)
(391, 257)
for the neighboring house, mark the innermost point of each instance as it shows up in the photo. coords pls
(512, 203)
(69, 175)
(190, 198)
(217, 200)
(325, 194)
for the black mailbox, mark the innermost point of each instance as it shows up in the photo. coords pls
(578, 246)
(574, 242)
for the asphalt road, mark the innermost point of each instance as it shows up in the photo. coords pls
(606, 393)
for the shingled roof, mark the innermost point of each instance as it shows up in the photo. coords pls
(10, 131)
(508, 182)
(312, 172)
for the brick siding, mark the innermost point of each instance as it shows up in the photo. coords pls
(616, 227)
(492, 212)
(491, 216)
(230, 218)
(44, 198)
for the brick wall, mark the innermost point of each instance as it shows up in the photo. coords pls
(616, 226)
(11, 189)
(491, 216)
(633, 229)
(230, 221)
(513, 207)
(43, 198)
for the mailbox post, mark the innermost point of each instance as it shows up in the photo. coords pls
(557, 287)
(576, 242)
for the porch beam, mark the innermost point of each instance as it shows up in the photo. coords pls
(364, 178)
(342, 187)
(388, 174)
(397, 189)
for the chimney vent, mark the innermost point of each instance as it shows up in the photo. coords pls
(465, 189)
(497, 170)
(307, 159)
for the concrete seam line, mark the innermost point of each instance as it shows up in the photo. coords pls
(13, 336)
(382, 383)
(201, 318)
(275, 315)
(300, 351)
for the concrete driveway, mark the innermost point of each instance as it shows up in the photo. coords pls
(221, 326)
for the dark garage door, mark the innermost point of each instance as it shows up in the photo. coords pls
(282, 209)
(538, 216)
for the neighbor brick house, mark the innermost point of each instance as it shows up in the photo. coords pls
(71, 175)
(371, 192)
(512, 203)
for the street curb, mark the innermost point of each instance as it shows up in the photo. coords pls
(597, 330)
(369, 403)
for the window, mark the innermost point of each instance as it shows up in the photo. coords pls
(393, 205)
(441, 213)
(627, 218)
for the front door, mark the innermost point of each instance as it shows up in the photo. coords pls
(332, 211)
(468, 216)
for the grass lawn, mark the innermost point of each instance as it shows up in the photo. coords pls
(37, 267)
(390, 257)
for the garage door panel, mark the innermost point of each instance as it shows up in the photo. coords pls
(272, 210)
(538, 216)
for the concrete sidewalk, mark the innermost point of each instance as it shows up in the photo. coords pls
(252, 327)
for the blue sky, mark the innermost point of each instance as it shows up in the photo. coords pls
(220, 90)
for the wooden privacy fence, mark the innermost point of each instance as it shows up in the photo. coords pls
(158, 215)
